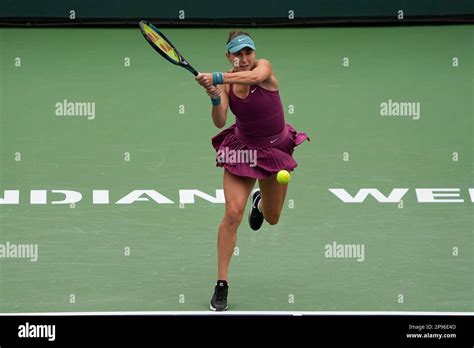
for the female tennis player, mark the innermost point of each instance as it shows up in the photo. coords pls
(256, 147)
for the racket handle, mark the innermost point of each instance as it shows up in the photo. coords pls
(192, 70)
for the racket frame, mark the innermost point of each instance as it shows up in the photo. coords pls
(183, 62)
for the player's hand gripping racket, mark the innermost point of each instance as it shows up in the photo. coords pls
(163, 46)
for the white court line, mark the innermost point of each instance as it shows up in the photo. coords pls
(236, 313)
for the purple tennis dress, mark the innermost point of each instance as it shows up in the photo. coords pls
(260, 143)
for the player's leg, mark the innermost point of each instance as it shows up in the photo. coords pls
(272, 199)
(236, 192)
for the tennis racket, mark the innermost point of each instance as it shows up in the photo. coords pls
(163, 46)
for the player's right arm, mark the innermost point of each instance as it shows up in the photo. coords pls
(219, 112)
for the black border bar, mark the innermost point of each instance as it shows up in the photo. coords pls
(216, 328)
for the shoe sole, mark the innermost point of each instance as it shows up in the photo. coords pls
(215, 310)
(251, 205)
(251, 195)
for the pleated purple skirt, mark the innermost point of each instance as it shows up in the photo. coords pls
(257, 157)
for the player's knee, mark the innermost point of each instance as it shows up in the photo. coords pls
(233, 216)
(272, 219)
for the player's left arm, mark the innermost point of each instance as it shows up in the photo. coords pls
(261, 73)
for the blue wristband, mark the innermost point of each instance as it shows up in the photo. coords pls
(216, 101)
(217, 78)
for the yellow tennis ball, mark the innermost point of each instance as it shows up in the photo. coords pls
(283, 177)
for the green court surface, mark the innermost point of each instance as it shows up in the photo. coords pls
(151, 131)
